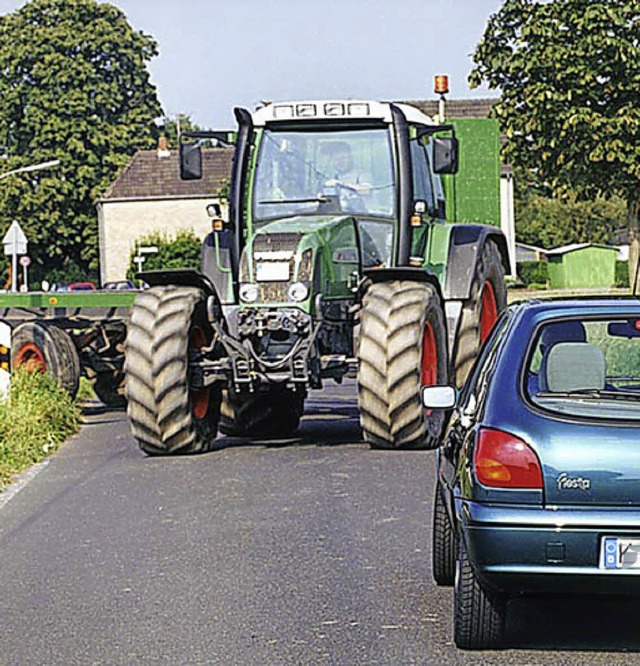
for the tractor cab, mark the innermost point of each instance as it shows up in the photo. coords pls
(302, 168)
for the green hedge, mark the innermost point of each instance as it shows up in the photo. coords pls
(532, 272)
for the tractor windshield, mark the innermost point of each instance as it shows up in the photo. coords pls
(324, 172)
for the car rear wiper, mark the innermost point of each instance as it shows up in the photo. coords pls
(595, 394)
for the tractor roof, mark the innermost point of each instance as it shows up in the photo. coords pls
(333, 110)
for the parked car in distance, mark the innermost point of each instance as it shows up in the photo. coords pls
(538, 475)
(120, 285)
(82, 286)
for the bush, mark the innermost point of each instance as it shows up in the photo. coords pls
(532, 272)
(622, 274)
(37, 417)
(180, 251)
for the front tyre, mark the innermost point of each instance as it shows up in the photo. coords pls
(402, 346)
(187, 417)
(169, 415)
(444, 545)
(488, 297)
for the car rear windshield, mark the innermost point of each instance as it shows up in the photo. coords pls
(586, 368)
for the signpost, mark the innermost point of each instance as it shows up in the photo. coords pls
(25, 262)
(15, 243)
(140, 259)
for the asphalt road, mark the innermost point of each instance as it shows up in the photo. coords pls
(306, 551)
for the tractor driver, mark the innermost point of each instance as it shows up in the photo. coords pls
(353, 187)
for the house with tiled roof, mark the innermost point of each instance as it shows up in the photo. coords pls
(149, 196)
(457, 108)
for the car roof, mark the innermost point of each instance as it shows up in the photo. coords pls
(583, 305)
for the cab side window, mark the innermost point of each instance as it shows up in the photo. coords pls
(422, 184)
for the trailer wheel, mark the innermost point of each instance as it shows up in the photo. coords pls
(480, 311)
(179, 418)
(43, 346)
(102, 357)
(276, 412)
(402, 346)
(138, 369)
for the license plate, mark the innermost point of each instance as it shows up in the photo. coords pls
(272, 271)
(620, 553)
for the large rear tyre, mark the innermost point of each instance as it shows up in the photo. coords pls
(42, 346)
(487, 299)
(479, 614)
(402, 346)
(169, 416)
(444, 546)
(273, 413)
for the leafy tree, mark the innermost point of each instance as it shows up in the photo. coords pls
(170, 127)
(569, 75)
(551, 222)
(179, 251)
(74, 86)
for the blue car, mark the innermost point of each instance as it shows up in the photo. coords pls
(538, 475)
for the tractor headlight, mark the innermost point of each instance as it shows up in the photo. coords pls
(298, 292)
(249, 292)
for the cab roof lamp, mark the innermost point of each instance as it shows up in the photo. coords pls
(441, 86)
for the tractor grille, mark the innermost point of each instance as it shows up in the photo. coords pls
(285, 242)
(276, 248)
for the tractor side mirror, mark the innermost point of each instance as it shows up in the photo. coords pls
(445, 154)
(190, 161)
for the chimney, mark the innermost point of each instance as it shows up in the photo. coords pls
(163, 147)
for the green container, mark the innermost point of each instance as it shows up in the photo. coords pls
(473, 194)
(582, 266)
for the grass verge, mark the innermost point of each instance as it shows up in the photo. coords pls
(36, 418)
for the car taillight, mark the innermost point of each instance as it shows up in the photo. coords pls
(502, 460)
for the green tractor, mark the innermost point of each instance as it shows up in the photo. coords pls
(335, 260)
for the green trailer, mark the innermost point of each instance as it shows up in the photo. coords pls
(69, 335)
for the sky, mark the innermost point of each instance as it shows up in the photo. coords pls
(218, 54)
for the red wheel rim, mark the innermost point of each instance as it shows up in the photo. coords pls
(199, 398)
(30, 356)
(429, 371)
(488, 310)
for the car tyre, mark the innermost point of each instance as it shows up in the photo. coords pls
(479, 614)
(444, 544)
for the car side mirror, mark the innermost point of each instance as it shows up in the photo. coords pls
(445, 154)
(439, 397)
